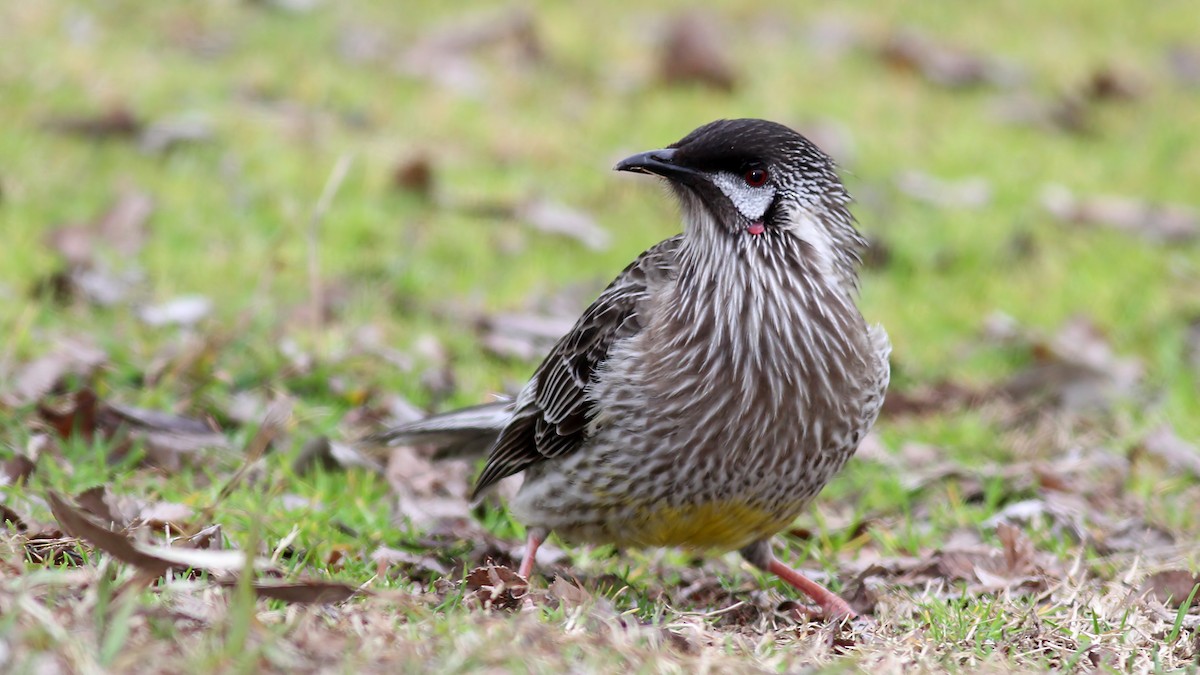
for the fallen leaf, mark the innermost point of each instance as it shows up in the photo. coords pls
(1160, 223)
(183, 311)
(361, 44)
(154, 560)
(552, 217)
(1134, 535)
(427, 566)
(1172, 587)
(448, 54)
(930, 399)
(304, 592)
(495, 587)
(428, 491)
(964, 193)
(1191, 344)
(1076, 370)
(943, 64)
(209, 538)
(69, 357)
(116, 122)
(164, 135)
(694, 52)
(1066, 112)
(99, 503)
(12, 520)
(169, 516)
(1165, 445)
(167, 440)
(522, 336)
(568, 592)
(1184, 63)
(415, 175)
(16, 469)
(76, 414)
(123, 227)
(1015, 565)
(53, 548)
(115, 544)
(1112, 84)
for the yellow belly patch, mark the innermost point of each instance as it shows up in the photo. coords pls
(725, 526)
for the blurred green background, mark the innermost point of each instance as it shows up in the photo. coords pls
(985, 143)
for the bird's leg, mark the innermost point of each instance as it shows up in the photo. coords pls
(534, 539)
(832, 607)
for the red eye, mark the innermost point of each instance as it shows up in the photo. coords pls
(756, 177)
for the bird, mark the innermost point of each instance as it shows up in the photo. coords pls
(716, 385)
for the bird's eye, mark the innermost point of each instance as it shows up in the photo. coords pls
(756, 177)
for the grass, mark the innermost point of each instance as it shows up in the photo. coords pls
(283, 105)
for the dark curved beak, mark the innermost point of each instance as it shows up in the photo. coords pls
(657, 163)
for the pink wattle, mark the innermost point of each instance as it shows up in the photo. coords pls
(756, 228)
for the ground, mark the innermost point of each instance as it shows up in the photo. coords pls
(239, 235)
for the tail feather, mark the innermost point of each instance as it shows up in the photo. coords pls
(458, 433)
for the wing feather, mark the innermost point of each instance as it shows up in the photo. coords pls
(553, 413)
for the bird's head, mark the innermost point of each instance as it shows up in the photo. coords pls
(761, 184)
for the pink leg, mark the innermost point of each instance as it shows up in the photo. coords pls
(833, 607)
(532, 542)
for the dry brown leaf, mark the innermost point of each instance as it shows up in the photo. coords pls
(123, 227)
(936, 398)
(1066, 112)
(169, 516)
(427, 566)
(522, 336)
(274, 424)
(1015, 565)
(16, 469)
(551, 217)
(495, 587)
(428, 491)
(1076, 371)
(1112, 84)
(323, 452)
(1161, 223)
(76, 414)
(153, 560)
(972, 192)
(53, 547)
(447, 55)
(1165, 445)
(1184, 63)
(694, 52)
(1172, 587)
(183, 311)
(116, 122)
(943, 64)
(569, 592)
(304, 592)
(209, 538)
(166, 134)
(113, 543)
(70, 357)
(1133, 535)
(99, 503)
(167, 440)
(12, 519)
(415, 175)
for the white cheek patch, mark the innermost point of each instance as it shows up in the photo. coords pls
(751, 202)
